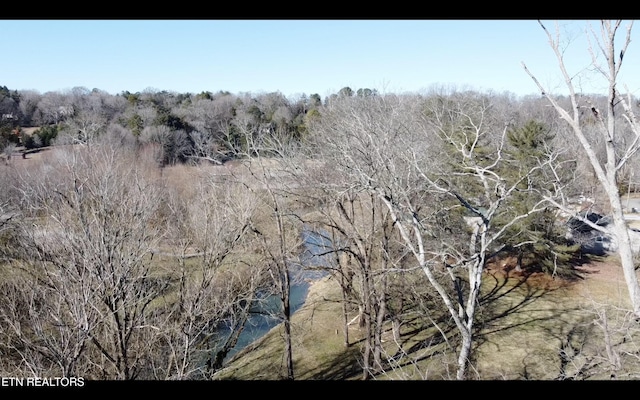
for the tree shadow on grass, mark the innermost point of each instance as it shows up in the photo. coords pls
(508, 303)
(346, 366)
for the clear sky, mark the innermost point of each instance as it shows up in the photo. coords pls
(292, 56)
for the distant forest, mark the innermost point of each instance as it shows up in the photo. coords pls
(190, 127)
(213, 126)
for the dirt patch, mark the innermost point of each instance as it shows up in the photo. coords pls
(598, 281)
(507, 268)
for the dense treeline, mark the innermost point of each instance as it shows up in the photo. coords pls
(186, 127)
(207, 126)
(118, 264)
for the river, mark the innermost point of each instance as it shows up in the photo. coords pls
(260, 323)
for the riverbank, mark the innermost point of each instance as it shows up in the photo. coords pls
(534, 320)
(318, 343)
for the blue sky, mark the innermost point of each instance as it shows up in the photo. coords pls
(292, 56)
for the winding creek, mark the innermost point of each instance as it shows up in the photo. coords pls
(260, 323)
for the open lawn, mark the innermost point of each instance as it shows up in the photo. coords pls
(533, 327)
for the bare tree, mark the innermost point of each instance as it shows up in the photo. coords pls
(269, 160)
(9, 219)
(205, 147)
(609, 140)
(444, 209)
(83, 128)
(170, 146)
(358, 230)
(8, 151)
(94, 223)
(53, 108)
(216, 283)
(29, 100)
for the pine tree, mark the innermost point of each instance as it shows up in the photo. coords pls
(538, 240)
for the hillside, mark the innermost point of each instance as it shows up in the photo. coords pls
(540, 329)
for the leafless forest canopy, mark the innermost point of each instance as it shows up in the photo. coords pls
(139, 231)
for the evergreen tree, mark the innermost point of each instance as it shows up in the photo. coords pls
(538, 240)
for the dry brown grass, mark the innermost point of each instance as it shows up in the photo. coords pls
(318, 343)
(528, 324)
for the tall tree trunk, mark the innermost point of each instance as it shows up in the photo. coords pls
(617, 152)
(368, 322)
(625, 250)
(345, 318)
(231, 341)
(463, 356)
(379, 329)
(286, 312)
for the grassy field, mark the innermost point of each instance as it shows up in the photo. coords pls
(533, 327)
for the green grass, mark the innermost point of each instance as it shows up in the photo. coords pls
(529, 328)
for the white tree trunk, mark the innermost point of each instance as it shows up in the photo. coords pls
(625, 250)
(463, 357)
(617, 151)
